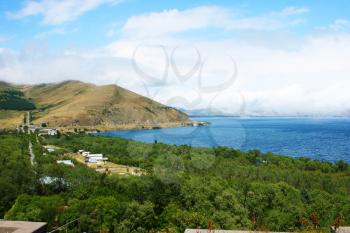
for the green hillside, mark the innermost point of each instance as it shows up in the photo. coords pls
(183, 187)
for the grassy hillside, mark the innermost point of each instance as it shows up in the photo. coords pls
(10, 118)
(78, 104)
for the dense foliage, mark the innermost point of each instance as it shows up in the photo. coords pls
(184, 187)
(16, 175)
(11, 99)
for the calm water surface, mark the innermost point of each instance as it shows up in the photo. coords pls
(317, 138)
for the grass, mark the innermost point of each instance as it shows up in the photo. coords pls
(10, 118)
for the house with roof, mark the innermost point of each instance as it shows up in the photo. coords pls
(95, 158)
(50, 132)
(66, 162)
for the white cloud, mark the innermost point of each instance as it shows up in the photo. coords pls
(337, 26)
(53, 32)
(340, 24)
(173, 21)
(58, 11)
(293, 11)
(313, 78)
(38, 65)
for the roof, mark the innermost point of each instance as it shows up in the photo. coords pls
(22, 227)
(66, 162)
(220, 231)
(47, 129)
(95, 160)
(52, 147)
(342, 230)
(95, 155)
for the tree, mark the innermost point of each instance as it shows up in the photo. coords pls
(341, 166)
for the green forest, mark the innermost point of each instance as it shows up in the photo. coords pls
(11, 99)
(182, 187)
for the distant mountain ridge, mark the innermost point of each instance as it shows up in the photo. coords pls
(210, 113)
(79, 104)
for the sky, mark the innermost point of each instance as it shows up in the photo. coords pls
(244, 57)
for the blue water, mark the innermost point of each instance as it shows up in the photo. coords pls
(316, 138)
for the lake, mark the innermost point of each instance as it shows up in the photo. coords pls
(316, 138)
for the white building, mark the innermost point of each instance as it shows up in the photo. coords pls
(50, 148)
(95, 155)
(50, 132)
(96, 160)
(92, 158)
(85, 153)
(66, 162)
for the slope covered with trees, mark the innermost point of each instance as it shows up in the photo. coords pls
(12, 99)
(184, 187)
(16, 175)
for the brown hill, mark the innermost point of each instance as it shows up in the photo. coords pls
(78, 104)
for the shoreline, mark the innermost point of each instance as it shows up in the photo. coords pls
(111, 128)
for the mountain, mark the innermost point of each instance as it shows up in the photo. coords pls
(77, 104)
(201, 112)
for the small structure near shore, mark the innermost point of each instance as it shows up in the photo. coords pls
(50, 132)
(66, 162)
(195, 124)
(92, 158)
(101, 164)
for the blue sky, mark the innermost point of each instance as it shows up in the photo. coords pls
(89, 28)
(247, 57)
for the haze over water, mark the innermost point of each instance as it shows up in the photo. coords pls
(316, 138)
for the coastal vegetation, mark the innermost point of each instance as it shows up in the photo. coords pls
(183, 187)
